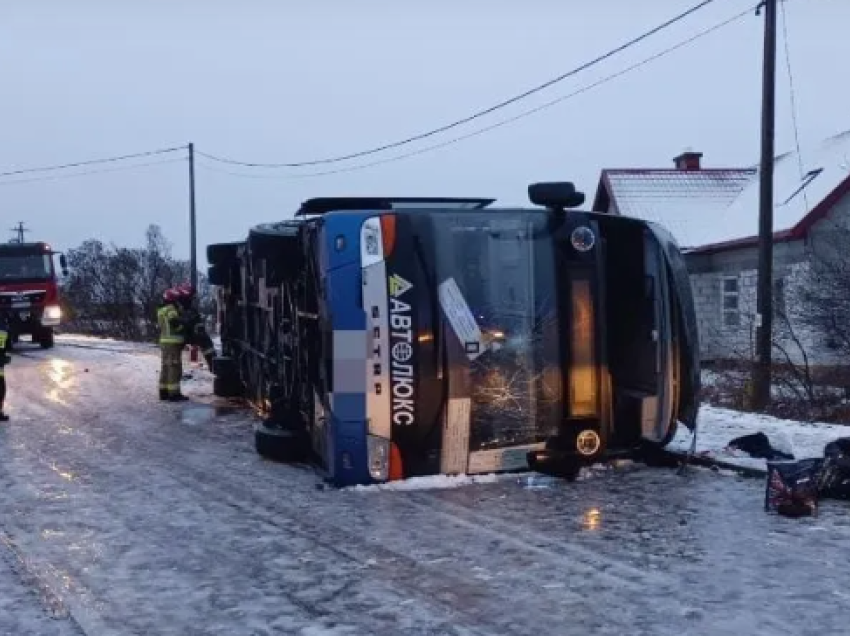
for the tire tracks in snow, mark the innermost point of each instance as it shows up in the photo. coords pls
(167, 449)
(19, 565)
(259, 491)
(404, 571)
(159, 453)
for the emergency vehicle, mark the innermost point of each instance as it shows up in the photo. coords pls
(29, 291)
(384, 338)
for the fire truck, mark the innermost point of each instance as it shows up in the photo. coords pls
(383, 338)
(29, 291)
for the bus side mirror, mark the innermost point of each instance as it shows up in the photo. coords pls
(63, 263)
(555, 196)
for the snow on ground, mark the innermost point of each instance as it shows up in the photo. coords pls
(431, 482)
(102, 342)
(123, 515)
(717, 427)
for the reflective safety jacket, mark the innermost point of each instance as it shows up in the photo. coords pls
(170, 326)
(4, 343)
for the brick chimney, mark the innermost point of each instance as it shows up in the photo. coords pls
(688, 160)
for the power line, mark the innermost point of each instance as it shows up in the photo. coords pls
(92, 172)
(78, 164)
(504, 122)
(792, 96)
(478, 114)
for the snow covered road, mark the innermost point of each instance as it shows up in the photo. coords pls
(121, 515)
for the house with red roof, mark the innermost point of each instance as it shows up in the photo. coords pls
(713, 213)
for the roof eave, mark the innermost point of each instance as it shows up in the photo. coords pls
(783, 236)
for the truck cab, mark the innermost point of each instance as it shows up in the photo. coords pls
(386, 338)
(29, 292)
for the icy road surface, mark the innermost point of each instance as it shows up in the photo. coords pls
(121, 515)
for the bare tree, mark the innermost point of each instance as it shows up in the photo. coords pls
(811, 337)
(115, 291)
(825, 293)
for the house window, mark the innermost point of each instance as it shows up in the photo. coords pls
(731, 303)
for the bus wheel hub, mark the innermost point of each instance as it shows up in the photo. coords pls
(588, 443)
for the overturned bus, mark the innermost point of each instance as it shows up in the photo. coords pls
(384, 338)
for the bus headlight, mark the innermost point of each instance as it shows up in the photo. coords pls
(371, 242)
(378, 456)
(583, 239)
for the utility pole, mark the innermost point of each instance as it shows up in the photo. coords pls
(193, 238)
(764, 294)
(19, 233)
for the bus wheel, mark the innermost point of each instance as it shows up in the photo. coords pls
(280, 444)
(227, 387)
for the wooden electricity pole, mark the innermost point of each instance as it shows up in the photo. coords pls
(764, 293)
(193, 236)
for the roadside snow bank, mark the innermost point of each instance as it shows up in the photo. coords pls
(526, 479)
(717, 427)
(432, 482)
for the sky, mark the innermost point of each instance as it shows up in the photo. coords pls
(284, 81)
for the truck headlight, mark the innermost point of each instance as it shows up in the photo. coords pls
(52, 312)
(378, 456)
(583, 239)
(371, 242)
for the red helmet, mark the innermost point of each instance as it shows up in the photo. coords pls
(169, 295)
(186, 290)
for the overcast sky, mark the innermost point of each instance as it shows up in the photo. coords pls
(287, 80)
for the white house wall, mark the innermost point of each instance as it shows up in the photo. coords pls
(718, 342)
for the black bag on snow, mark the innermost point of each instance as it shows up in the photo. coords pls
(758, 445)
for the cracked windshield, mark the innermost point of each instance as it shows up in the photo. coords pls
(503, 265)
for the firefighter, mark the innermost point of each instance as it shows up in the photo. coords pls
(171, 342)
(4, 360)
(196, 333)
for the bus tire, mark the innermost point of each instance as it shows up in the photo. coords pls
(226, 388)
(280, 444)
(222, 253)
(225, 367)
(217, 275)
(277, 242)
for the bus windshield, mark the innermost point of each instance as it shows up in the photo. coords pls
(504, 267)
(25, 267)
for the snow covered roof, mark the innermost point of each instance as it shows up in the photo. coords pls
(715, 209)
(686, 202)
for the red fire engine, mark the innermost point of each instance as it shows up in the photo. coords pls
(29, 292)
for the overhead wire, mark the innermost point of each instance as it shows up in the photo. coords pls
(501, 123)
(90, 162)
(56, 177)
(476, 115)
(793, 98)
